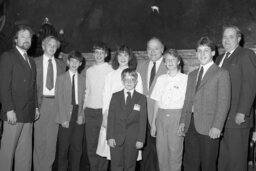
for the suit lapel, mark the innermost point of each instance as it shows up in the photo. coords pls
(40, 73)
(144, 77)
(68, 86)
(58, 67)
(80, 89)
(209, 73)
(21, 59)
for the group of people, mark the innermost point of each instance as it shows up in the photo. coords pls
(128, 111)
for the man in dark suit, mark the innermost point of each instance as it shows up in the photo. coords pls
(205, 109)
(150, 70)
(241, 64)
(127, 120)
(19, 103)
(46, 129)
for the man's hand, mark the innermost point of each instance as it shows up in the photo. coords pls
(37, 114)
(11, 117)
(65, 124)
(239, 119)
(112, 143)
(214, 133)
(181, 129)
(105, 120)
(153, 130)
(139, 145)
(80, 120)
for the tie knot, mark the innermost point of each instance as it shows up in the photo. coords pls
(25, 55)
(49, 60)
(227, 54)
(202, 69)
(129, 93)
(154, 63)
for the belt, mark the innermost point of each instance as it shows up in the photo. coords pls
(48, 97)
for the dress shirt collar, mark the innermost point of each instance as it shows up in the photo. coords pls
(72, 73)
(46, 58)
(125, 92)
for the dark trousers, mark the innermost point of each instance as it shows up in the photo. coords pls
(234, 150)
(84, 164)
(149, 155)
(70, 144)
(93, 119)
(200, 150)
(123, 157)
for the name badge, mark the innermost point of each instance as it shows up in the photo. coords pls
(136, 107)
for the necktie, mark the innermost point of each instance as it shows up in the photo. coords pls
(73, 100)
(128, 100)
(26, 59)
(199, 77)
(152, 74)
(49, 77)
(225, 59)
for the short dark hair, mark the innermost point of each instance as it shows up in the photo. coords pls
(131, 71)
(100, 45)
(132, 58)
(76, 55)
(206, 41)
(22, 28)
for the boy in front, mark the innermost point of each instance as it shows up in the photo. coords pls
(70, 95)
(127, 121)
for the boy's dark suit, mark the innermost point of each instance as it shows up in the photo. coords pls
(126, 126)
(69, 139)
(18, 93)
(45, 129)
(204, 109)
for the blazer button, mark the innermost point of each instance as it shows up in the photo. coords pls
(168, 115)
(24, 80)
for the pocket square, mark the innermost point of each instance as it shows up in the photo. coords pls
(136, 107)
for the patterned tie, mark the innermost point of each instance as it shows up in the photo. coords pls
(152, 74)
(73, 100)
(26, 59)
(225, 59)
(49, 77)
(199, 77)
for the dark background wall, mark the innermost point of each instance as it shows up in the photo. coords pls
(180, 23)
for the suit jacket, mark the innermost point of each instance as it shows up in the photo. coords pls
(127, 124)
(63, 96)
(241, 65)
(18, 86)
(143, 70)
(211, 101)
(40, 75)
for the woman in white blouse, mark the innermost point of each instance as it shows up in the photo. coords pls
(123, 59)
(169, 94)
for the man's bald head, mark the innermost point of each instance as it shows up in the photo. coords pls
(155, 49)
